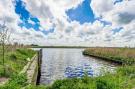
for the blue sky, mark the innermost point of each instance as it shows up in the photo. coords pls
(26, 16)
(83, 13)
(71, 22)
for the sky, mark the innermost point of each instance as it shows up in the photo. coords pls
(91, 23)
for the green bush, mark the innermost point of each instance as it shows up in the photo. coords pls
(13, 57)
(8, 71)
(103, 84)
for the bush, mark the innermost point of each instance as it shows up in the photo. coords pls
(13, 57)
(8, 71)
(103, 84)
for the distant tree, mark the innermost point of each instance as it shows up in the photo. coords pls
(33, 45)
(4, 39)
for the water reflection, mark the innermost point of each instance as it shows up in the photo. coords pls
(58, 63)
(79, 71)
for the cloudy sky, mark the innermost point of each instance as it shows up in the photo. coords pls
(70, 22)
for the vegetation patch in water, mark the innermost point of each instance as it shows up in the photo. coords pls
(120, 55)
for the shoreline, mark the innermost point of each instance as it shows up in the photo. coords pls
(104, 58)
(123, 56)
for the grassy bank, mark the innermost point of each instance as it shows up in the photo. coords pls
(123, 79)
(15, 61)
(120, 55)
(16, 81)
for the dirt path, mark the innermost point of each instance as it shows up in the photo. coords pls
(3, 80)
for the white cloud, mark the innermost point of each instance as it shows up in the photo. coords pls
(120, 15)
(52, 15)
(20, 35)
(48, 11)
(100, 7)
(51, 12)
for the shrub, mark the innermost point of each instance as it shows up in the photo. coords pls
(13, 57)
(103, 84)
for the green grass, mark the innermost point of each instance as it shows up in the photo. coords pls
(16, 82)
(15, 61)
(124, 78)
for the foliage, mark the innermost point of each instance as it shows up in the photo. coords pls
(120, 80)
(15, 61)
(13, 56)
(16, 82)
(35, 87)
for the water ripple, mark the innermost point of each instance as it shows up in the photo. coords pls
(78, 71)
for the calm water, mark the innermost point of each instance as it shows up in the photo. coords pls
(58, 63)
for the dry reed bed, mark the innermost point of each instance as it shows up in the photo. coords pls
(122, 55)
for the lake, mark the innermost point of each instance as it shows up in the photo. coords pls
(59, 63)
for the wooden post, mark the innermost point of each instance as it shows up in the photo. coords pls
(39, 66)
